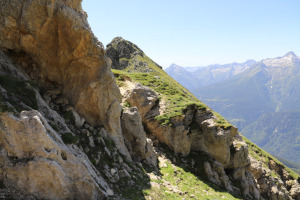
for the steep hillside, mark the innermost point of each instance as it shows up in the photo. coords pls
(70, 130)
(263, 103)
(182, 130)
(60, 122)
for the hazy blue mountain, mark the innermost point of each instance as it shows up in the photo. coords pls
(193, 69)
(278, 133)
(196, 77)
(217, 73)
(264, 102)
(182, 76)
(242, 98)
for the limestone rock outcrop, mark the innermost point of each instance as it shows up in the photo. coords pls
(35, 161)
(53, 43)
(121, 51)
(139, 146)
(196, 131)
(274, 187)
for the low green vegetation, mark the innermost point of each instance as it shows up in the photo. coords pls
(2, 186)
(177, 98)
(4, 106)
(54, 126)
(17, 91)
(292, 165)
(176, 179)
(265, 157)
(126, 104)
(69, 138)
(69, 116)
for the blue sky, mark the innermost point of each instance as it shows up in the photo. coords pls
(200, 32)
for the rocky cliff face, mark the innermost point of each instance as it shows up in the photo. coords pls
(35, 162)
(49, 44)
(53, 43)
(197, 129)
(124, 53)
(64, 134)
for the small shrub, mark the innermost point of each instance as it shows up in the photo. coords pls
(2, 186)
(127, 104)
(54, 126)
(20, 89)
(69, 116)
(109, 143)
(4, 106)
(69, 138)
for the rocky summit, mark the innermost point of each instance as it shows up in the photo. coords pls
(73, 128)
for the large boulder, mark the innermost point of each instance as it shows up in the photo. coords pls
(36, 162)
(139, 146)
(53, 43)
(124, 53)
(195, 130)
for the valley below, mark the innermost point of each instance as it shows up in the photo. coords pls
(261, 99)
(82, 121)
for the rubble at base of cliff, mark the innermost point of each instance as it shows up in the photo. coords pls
(65, 135)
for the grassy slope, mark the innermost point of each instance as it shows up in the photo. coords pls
(17, 91)
(294, 166)
(265, 157)
(178, 98)
(175, 179)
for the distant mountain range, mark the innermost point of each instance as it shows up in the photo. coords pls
(261, 98)
(196, 77)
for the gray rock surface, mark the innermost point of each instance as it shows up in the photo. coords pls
(53, 43)
(35, 161)
(140, 148)
(120, 51)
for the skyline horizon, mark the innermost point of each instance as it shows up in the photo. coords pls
(198, 32)
(231, 62)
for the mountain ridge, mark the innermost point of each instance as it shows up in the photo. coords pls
(130, 83)
(73, 128)
(208, 75)
(268, 87)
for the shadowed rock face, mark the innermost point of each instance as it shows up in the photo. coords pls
(55, 46)
(35, 161)
(197, 131)
(121, 51)
(139, 146)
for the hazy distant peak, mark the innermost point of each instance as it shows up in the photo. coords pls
(173, 65)
(250, 62)
(287, 60)
(290, 54)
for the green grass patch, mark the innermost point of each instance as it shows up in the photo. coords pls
(191, 182)
(261, 155)
(69, 138)
(109, 143)
(177, 97)
(54, 126)
(68, 116)
(21, 90)
(126, 104)
(4, 106)
(2, 186)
